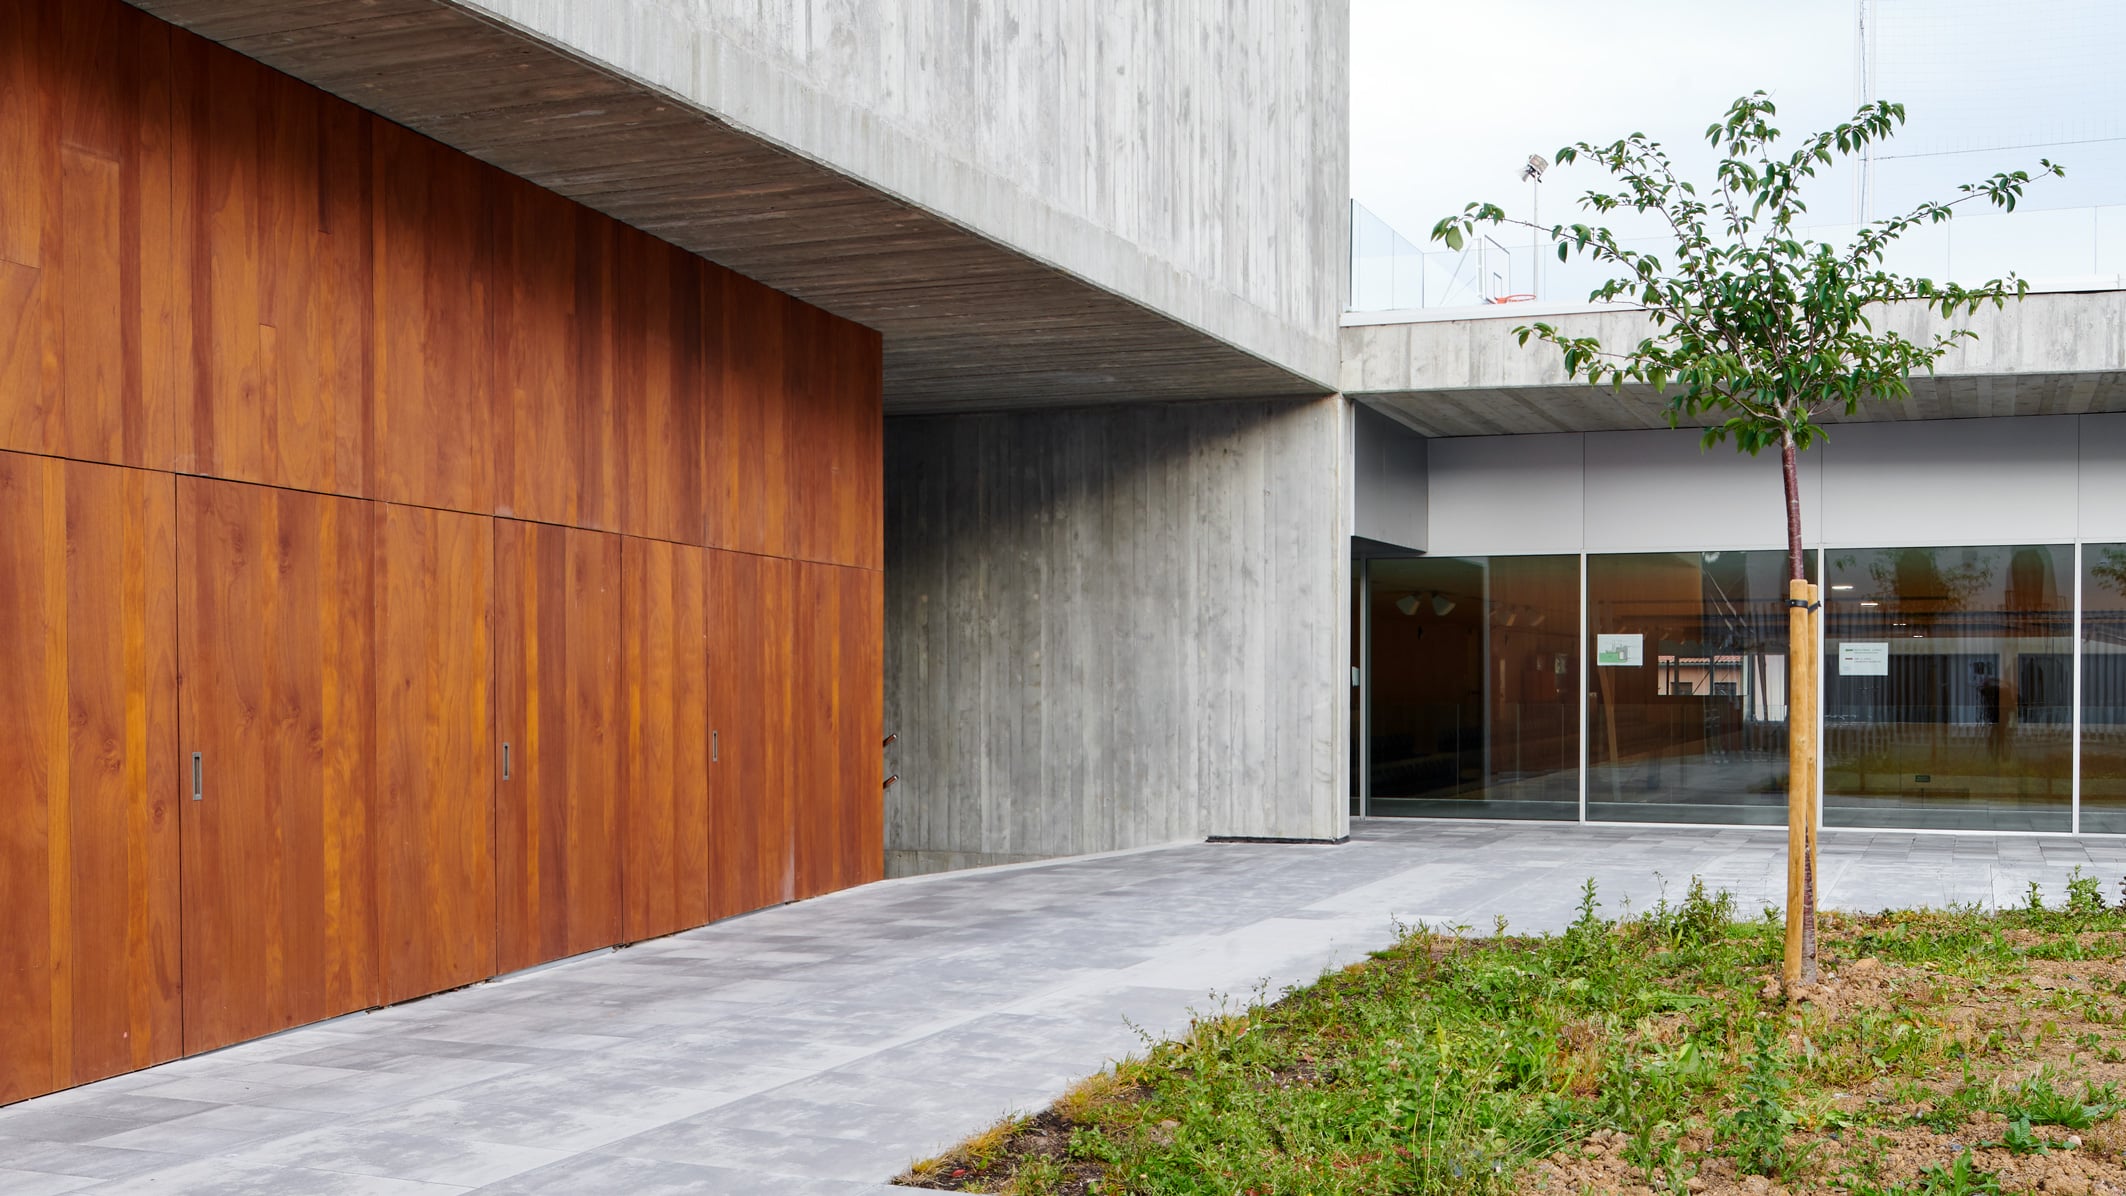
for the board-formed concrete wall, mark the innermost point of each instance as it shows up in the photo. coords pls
(1109, 628)
(1191, 155)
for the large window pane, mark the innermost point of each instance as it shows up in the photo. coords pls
(2104, 688)
(1475, 669)
(1687, 706)
(1948, 684)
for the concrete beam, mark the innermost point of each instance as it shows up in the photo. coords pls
(1035, 203)
(2050, 354)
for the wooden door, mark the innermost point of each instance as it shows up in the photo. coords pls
(275, 702)
(560, 721)
(837, 706)
(863, 721)
(749, 732)
(435, 786)
(666, 817)
(88, 723)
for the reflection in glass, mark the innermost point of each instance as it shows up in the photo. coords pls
(1947, 688)
(1472, 693)
(2104, 688)
(1686, 713)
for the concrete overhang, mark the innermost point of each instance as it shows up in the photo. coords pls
(1464, 374)
(615, 103)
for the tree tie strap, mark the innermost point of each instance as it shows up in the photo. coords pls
(1805, 604)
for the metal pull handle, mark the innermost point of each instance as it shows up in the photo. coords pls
(199, 776)
(890, 739)
(890, 782)
(505, 761)
(715, 747)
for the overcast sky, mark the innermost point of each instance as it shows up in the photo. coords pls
(1446, 108)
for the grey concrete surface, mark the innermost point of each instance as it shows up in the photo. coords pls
(2050, 354)
(1037, 202)
(1113, 628)
(2031, 479)
(819, 1047)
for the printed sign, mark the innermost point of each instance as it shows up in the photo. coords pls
(1863, 660)
(1628, 651)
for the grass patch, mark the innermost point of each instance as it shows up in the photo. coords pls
(1956, 1051)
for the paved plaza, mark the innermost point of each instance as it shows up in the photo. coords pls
(819, 1047)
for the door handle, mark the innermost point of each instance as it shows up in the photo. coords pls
(199, 776)
(505, 761)
(715, 746)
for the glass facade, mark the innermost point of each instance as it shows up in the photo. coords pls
(1951, 677)
(2104, 688)
(1948, 688)
(1686, 717)
(1473, 677)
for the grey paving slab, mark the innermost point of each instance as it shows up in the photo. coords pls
(820, 1047)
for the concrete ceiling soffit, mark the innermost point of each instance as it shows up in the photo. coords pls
(968, 324)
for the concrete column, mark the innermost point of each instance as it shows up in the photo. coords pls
(1115, 627)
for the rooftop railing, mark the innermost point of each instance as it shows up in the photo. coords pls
(2054, 249)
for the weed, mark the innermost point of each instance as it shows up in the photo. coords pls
(1755, 1131)
(2039, 1101)
(2085, 896)
(1961, 1178)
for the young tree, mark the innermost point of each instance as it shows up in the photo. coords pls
(1757, 331)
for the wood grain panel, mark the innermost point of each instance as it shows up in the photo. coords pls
(85, 279)
(748, 454)
(558, 434)
(666, 814)
(89, 968)
(276, 692)
(750, 863)
(432, 410)
(819, 786)
(862, 835)
(669, 341)
(558, 687)
(274, 182)
(435, 786)
(835, 425)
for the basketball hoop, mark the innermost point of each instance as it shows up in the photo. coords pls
(1513, 299)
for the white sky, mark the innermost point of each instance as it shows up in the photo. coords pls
(1445, 109)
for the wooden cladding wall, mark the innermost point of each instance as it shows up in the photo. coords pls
(340, 460)
(208, 267)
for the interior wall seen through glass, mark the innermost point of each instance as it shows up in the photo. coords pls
(1687, 703)
(2104, 688)
(1948, 687)
(1474, 676)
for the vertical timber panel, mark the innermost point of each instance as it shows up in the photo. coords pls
(558, 684)
(85, 244)
(863, 692)
(274, 180)
(668, 335)
(748, 459)
(276, 693)
(558, 438)
(666, 817)
(817, 785)
(89, 846)
(433, 352)
(750, 862)
(435, 733)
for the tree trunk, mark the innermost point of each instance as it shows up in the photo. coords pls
(1804, 605)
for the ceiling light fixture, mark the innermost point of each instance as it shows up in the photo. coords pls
(1407, 604)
